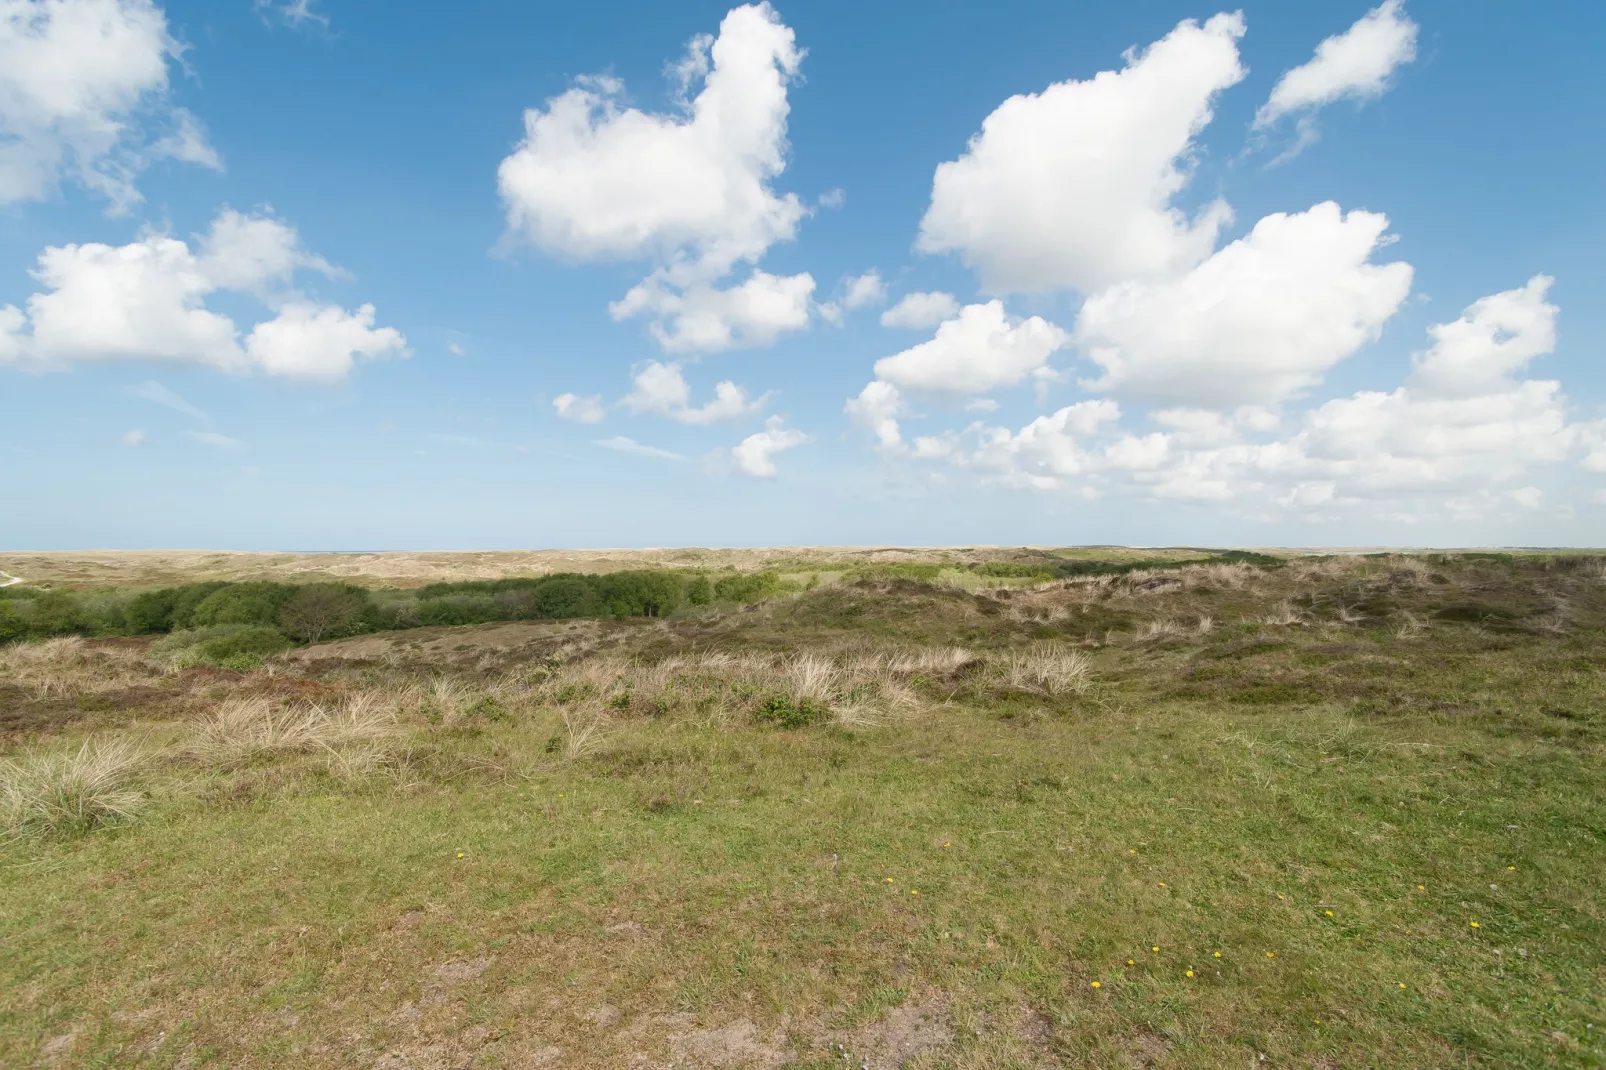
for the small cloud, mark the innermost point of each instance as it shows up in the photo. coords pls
(866, 289)
(456, 350)
(296, 14)
(582, 410)
(212, 438)
(623, 444)
(155, 392)
(833, 198)
(461, 440)
(982, 405)
(754, 455)
(920, 310)
(136, 437)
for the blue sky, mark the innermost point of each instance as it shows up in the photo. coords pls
(301, 276)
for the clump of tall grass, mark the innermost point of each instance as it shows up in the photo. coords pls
(1050, 669)
(240, 729)
(72, 792)
(69, 666)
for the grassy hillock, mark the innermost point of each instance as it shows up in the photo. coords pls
(1319, 812)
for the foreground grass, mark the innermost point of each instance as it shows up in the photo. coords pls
(1328, 810)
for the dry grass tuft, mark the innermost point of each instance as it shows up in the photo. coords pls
(1051, 669)
(70, 666)
(239, 729)
(1285, 616)
(77, 791)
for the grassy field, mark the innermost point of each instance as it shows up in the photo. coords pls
(1330, 812)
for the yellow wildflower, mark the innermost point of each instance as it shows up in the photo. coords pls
(1329, 913)
(1097, 985)
(1190, 973)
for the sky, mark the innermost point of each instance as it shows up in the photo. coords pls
(317, 274)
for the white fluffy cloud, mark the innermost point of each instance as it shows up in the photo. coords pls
(84, 94)
(1260, 319)
(662, 389)
(755, 454)
(581, 410)
(690, 192)
(704, 318)
(974, 352)
(319, 343)
(918, 311)
(146, 301)
(1462, 433)
(877, 409)
(1356, 64)
(1072, 187)
(866, 289)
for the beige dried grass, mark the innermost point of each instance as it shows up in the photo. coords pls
(73, 791)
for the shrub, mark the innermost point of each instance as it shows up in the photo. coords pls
(55, 613)
(242, 603)
(325, 610)
(13, 627)
(59, 794)
(151, 611)
(230, 646)
(790, 713)
(700, 591)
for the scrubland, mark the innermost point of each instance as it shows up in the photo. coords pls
(1318, 811)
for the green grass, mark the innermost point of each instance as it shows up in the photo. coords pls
(479, 899)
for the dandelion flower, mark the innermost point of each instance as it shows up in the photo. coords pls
(1131, 962)
(1156, 948)
(1473, 924)
(1132, 851)
(1421, 887)
(1271, 954)
(1329, 913)
(1162, 884)
(1402, 984)
(914, 891)
(1190, 973)
(946, 845)
(460, 854)
(1511, 869)
(1097, 985)
(890, 880)
(1218, 954)
(1279, 895)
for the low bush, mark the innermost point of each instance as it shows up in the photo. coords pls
(228, 646)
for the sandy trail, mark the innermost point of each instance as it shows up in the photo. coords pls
(10, 579)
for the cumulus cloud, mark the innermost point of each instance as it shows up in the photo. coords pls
(1461, 427)
(1356, 64)
(755, 454)
(1072, 187)
(706, 319)
(133, 437)
(1260, 319)
(877, 409)
(581, 410)
(689, 191)
(625, 444)
(319, 343)
(918, 311)
(857, 292)
(974, 352)
(662, 389)
(146, 301)
(84, 95)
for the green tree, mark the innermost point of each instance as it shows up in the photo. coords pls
(56, 613)
(319, 610)
(242, 603)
